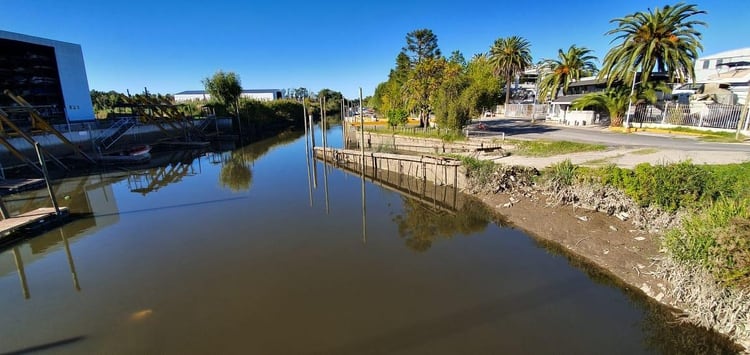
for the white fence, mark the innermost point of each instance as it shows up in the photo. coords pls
(695, 115)
(535, 111)
(712, 115)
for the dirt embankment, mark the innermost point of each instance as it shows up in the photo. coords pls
(603, 226)
(624, 248)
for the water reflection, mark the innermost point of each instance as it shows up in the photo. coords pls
(171, 167)
(236, 173)
(192, 267)
(422, 224)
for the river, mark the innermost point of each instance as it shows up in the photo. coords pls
(253, 251)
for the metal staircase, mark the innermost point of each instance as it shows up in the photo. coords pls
(111, 135)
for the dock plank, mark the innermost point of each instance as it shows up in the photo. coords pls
(17, 185)
(10, 224)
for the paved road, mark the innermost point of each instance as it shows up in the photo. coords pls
(522, 128)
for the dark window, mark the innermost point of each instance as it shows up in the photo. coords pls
(706, 64)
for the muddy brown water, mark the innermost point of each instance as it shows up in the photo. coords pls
(245, 252)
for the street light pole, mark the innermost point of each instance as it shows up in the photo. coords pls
(630, 102)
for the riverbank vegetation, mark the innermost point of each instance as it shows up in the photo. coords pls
(715, 201)
(701, 213)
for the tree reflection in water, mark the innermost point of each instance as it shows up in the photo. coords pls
(420, 224)
(236, 174)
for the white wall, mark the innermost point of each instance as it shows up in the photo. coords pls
(191, 97)
(74, 82)
(707, 66)
(265, 96)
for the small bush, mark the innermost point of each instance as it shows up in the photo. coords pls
(562, 174)
(397, 117)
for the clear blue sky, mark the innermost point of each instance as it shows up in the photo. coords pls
(170, 46)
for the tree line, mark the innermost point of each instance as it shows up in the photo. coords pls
(426, 83)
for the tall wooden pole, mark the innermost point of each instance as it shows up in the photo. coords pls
(21, 273)
(362, 145)
(71, 263)
(307, 151)
(43, 164)
(343, 121)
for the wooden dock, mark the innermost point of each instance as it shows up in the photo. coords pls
(39, 215)
(11, 186)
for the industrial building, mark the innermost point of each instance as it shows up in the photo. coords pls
(256, 94)
(48, 74)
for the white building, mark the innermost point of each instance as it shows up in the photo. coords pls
(46, 73)
(258, 94)
(716, 64)
(730, 70)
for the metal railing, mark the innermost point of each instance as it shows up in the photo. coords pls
(711, 115)
(535, 111)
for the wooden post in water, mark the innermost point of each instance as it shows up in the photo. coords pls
(307, 151)
(323, 133)
(3, 210)
(304, 122)
(312, 131)
(71, 264)
(21, 273)
(38, 148)
(343, 121)
(322, 126)
(362, 145)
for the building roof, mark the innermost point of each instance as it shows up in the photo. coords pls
(587, 81)
(33, 39)
(740, 52)
(248, 91)
(192, 92)
(567, 99)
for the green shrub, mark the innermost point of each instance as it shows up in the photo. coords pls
(670, 186)
(397, 117)
(717, 239)
(562, 174)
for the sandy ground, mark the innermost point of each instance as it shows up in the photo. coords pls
(626, 157)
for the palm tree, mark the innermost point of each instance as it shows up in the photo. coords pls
(569, 66)
(664, 39)
(614, 100)
(510, 56)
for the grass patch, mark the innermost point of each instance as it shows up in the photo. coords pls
(645, 151)
(472, 164)
(601, 161)
(709, 136)
(541, 148)
(446, 135)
